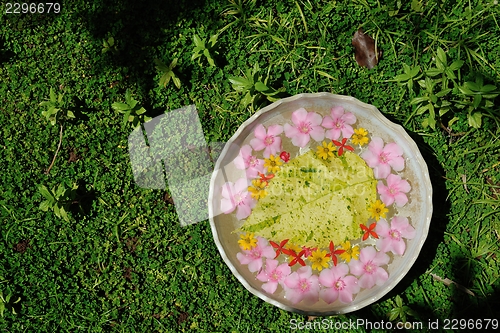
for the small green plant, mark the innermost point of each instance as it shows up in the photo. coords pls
(109, 46)
(254, 88)
(168, 73)
(54, 104)
(5, 300)
(477, 99)
(401, 311)
(201, 48)
(58, 200)
(132, 111)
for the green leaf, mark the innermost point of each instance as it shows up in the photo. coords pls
(52, 95)
(44, 205)
(452, 121)
(173, 63)
(198, 42)
(475, 119)
(64, 215)
(487, 88)
(165, 79)
(213, 40)
(247, 99)
(121, 107)
(259, 86)
(70, 114)
(477, 101)
(443, 111)
(60, 190)
(326, 75)
(46, 193)
(443, 92)
(433, 72)
(177, 81)
(441, 57)
(472, 86)
(128, 97)
(422, 109)
(393, 314)
(431, 121)
(240, 83)
(161, 66)
(417, 100)
(414, 71)
(457, 64)
(126, 117)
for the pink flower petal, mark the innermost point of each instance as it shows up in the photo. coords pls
(292, 281)
(381, 171)
(228, 190)
(242, 212)
(260, 132)
(314, 118)
(376, 145)
(270, 287)
(401, 199)
(347, 131)
(328, 122)
(329, 295)
(397, 163)
(301, 140)
(382, 227)
(333, 134)
(299, 116)
(274, 130)
(290, 131)
(257, 144)
(317, 133)
(255, 265)
(241, 185)
(381, 259)
(227, 206)
(349, 118)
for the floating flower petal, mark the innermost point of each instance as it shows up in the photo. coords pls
(339, 122)
(338, 285)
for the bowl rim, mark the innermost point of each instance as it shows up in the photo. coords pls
(411, 260)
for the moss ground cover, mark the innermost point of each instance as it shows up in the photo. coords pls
(121, 262)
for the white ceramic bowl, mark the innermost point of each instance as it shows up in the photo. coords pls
(418, 209)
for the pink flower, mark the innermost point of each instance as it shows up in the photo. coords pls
(246, 160)
(236, 196)
(307, 125)
(391, 237)
(269, 141)
(381, 158)
(337, 284)
(273, 275)
(302, 285)
(339, 122)
(394, 191)
(368, 267)
(253, 257)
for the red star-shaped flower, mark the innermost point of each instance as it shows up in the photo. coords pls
(369, 230)
(280, 248)
(333, 253)
(297, 258)
(342, 145)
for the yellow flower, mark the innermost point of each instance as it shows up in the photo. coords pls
(247, 241)
(378, 210)
(360, 136)
(257, 191)
(326, 151)
(272, 164)
(319, 260)
(350, 252)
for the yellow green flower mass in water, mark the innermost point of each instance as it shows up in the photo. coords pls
(312, 201)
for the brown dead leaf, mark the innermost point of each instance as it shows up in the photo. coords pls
(364, 50)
